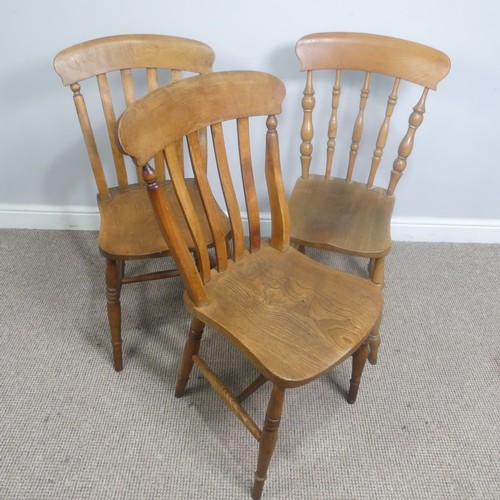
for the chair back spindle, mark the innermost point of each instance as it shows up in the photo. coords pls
(333, 125)
(280, 218)
(175, 241)
(406, 145)
(383, 133)
(228, 191)
(90, 142)
(358, 127)
(208, 200)
(307, 130)
(110, 118)
(249, 190)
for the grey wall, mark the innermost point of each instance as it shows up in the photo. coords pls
(453, 175)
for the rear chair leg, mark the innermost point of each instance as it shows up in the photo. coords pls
(268, 439)
(358, 363)
(190, 349)
(113, 289)
(377, 277)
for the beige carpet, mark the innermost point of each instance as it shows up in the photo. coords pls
(426, 424)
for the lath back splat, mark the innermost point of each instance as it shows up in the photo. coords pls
(127, 229)
(334, 212)
(291, 317)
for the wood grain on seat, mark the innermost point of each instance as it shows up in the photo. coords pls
(299, 325)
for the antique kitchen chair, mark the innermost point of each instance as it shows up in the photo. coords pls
(290, 316)
(339, 213)
(128, 230)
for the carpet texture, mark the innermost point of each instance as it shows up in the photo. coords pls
(426, 424)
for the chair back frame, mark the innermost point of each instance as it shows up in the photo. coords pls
(209, 101)
(400, 59)
(125, 54)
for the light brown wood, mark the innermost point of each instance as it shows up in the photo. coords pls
(187, 210)
(228, 191)
(406, 144)
(209, 203)
(338, 213)
(175, 114)
(383, 133)
(232, 403)
(109, 114)
(358, 127)
(248, 391)
(113, 290)
(251, 201)
(307, 130)
(404, 59)
(90, 143)
(358, 363)
(190, 349)
(332, 125)
(113, 53)
(128, 229)
(280, 217)
(291, 332)
(294, 319)
(174, 237)
(268, 440)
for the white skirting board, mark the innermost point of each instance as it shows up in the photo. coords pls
(403, 228)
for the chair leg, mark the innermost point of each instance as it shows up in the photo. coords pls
(113, 289)
(377, 277)
(190, 349)
(268, 439)
(358, 363)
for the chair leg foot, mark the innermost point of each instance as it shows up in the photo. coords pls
(268, 439)
(190, 349)
(113, 289)
(358, 363)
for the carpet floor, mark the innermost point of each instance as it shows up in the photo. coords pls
(426, 424)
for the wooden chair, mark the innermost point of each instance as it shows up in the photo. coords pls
(128, 230)
(339, 213)
(292, 317)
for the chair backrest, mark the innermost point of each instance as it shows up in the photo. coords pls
(400, 59)
(132, 57)
(157, 122)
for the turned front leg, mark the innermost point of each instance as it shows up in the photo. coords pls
(113, 289)
(190, 349)
(358, 363)
(268, 439)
